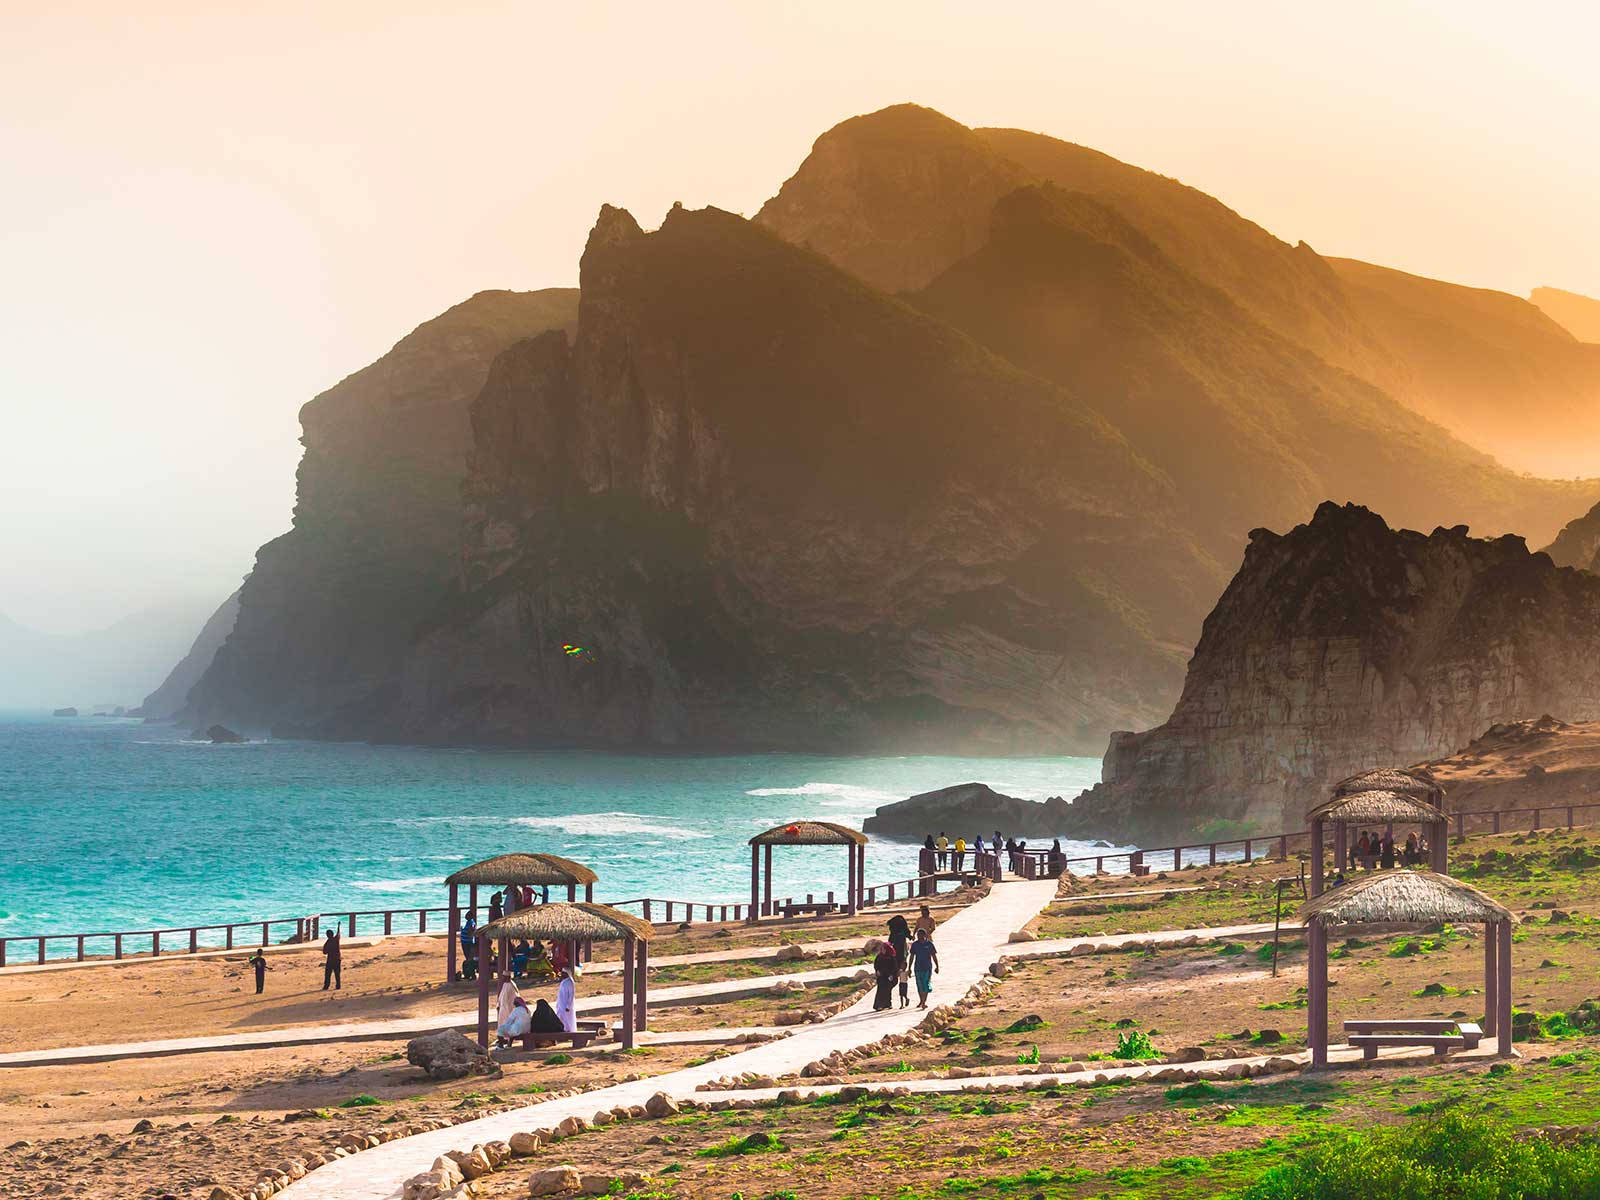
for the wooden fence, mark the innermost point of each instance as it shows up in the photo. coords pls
(1029, 864)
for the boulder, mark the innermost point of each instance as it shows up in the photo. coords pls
(661, 1105)
(791, 952)
(553, 1181)
(220, 735)
(449, 1054)
(430, 1185)
(1023, 935)
(524, 1144)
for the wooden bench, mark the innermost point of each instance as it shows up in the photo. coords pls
(586, 1032)
(1442, 1036)
(818, 908)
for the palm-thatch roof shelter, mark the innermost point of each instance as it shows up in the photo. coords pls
(573, 923)
(806, 833)
(1408, 898)
(1387, 797)
(542, 871)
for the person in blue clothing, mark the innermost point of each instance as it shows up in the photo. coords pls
(469, 947)
(924, 963)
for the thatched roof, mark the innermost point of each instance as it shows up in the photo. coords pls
(532, 870)
(1402, 897)
(567, 922)
(810, 833)
(1376, 808)
(1407, 781)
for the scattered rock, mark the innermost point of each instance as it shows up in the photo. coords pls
(524, 1144)
(449, 1054)
(1023, 935)
(622, 1183)
(144, 1126)
(552, 1181)
(661, 1105)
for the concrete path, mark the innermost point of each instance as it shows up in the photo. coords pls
(968, 943)
(1047, 947)
(406, 1027)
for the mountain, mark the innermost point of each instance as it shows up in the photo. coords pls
(101, 668)
(900, 196)
(326, 615)
(1578, 543)
(1578, 314)
(771, 506)
(1491, 367)
(170, 699)
(1345, 645)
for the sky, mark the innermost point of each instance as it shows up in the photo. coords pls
(209, 212)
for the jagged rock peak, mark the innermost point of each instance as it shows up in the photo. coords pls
(613, 226)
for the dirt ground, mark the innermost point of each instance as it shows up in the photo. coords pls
(1130, 1142)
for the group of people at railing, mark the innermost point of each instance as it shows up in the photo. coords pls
(950, 854)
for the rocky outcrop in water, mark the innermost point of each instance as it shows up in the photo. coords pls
(966, 810)
(1344, 645)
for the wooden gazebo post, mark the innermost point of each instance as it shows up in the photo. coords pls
(483, 990)
(1503, 1020)
(641, 984)
(1317, 992)
(766, 886)
(850, 882)
(454, 934)
(1316, 856)
(755, 884)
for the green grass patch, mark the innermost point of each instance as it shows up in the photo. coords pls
(759, 1142)
(361, 1101)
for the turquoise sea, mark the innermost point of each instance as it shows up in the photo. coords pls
(114, 824)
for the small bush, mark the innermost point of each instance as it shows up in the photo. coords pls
(361, 1101)
(759, 1142)
(1198, 1090)
(556, 1060)
(1462, 1154)
(1135, 1044)
(1031, 1055)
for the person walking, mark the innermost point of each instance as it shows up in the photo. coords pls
(330, 961)
(258, 961)
(900, 942)
(567, 999)
(886, 970)
(941, 845)
(925, 921)
(924, 964)
(958, 853)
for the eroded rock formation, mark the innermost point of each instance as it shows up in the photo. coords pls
(1344, 645)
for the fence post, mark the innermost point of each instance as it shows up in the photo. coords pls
(194, 940)
(1283, 847)
(1212, 858)
(388, 922)
(1536, 818)
(41, 950)
(1497, 820)
(80, 948)
(1569, 816)
(1461, 829)
(352, 924)
(647, 908)
(2, 952)
(1247, 857)
(155, 945)
(117, 949)
(266, 939)
(422, 920)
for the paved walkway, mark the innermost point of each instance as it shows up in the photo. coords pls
(968, 942)
(358, 1031)
(1046, 947)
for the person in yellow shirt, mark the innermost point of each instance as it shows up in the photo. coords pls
(958, 853)
(941, 846)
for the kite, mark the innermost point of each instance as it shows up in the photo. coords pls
(572, 650)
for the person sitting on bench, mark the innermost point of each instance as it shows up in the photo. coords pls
(514, 1025)
(544, 1019)
(519, 959)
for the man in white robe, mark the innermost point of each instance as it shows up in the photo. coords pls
(567, 1001)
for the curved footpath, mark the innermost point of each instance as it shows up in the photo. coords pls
(968, 944)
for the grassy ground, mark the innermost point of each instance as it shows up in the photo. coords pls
(1134, 1142)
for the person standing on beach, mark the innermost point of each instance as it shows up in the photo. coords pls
(258, 961)
(958, 853)
(330, 961)
(567, 1000)
(925, 921)
(924, 963)
(941, 846)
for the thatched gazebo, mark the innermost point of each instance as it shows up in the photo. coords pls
(805, 833)
(1408, 898)
(1374, 807)
(574, 923)
(524, 870)
(1408, 781)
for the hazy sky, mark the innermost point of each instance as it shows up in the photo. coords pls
(210, 211)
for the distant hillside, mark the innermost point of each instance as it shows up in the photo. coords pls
(102, 668)
(1578, 543)
(1578, 314)
(172, 697)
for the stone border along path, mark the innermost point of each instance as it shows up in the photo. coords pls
(969, 943)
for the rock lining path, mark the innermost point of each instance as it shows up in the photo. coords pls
(968, 943)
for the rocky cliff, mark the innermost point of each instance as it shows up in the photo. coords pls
(326, 615)
(769, 506)
(1344, 645)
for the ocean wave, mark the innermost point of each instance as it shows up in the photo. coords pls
(397, 885)
(610, 824)
(838, 795)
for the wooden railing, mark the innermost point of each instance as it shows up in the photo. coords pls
(1030, 864)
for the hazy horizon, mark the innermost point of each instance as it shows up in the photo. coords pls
(212, 215)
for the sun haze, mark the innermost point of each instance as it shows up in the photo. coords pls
(213, 213)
